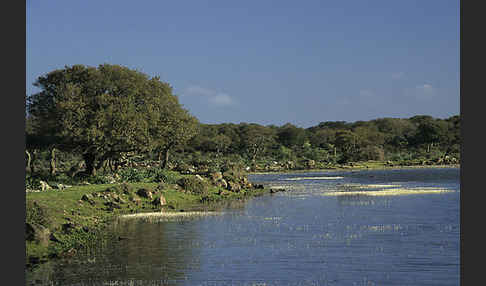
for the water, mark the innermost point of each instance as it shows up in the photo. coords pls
(299, 237)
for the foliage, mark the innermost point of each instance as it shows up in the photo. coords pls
(102, 112)
(193, 185)
(37, 214)
(148, 175)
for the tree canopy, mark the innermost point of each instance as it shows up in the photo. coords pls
(105, 111)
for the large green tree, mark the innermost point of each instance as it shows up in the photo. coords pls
(101, 112)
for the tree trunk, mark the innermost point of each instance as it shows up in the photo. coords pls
(29, 159)
(111, 165)
(165, 162)
(53, 162)
(32, 162)
(90, 159)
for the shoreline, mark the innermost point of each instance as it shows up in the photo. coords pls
(355, 168)
(79, 217)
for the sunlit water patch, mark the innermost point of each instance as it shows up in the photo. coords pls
(313, 178)
(389, 192)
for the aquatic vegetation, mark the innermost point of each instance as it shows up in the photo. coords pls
(313, 178)
(379, 186)
(390, 192)
(169, 216)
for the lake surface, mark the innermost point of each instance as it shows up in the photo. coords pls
(309, 235)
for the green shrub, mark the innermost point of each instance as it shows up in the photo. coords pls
(36, 214)
(193, 185)
(32, 183)
(98, 179)
(167, 176)
(149, 175)
(132, 175)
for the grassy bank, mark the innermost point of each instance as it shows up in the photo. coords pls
(61, 222)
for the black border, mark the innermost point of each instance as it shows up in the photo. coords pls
(13, 143)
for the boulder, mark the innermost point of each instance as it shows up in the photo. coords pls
(310, 164)
(68, 227)
(222, 183)
(135, 200)
(159, 201)
(200, 178)
(37, 233)
(62, 186)
(110, 179)
(223, 192)
(216, 176)
(112, 205)
(88, 198)
(234, 187)
(144, 193)
(44, 186)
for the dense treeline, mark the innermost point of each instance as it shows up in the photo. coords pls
(334, 142)
(88, 120)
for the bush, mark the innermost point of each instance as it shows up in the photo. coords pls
(36, 214)
(149, 175)
(131, 175)
(98, 179)
(166, 176)
(32, 183)
(193, 185)
(124, 188)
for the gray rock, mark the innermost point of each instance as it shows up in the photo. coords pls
(216, 176)
(88, 198)
(37, 233)
(44, 186)
(234, 187)
(159, 201)
(144, 193)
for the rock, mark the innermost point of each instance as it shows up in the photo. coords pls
(310, 164)
(44, 186)
(135, 200)
(234, 187)
(68, 227)
(200, 178)
(223, 183)
(112, 205)
(216, 176)
(159, 201)
(54, 238)
(110, 179)
(223, 192)
(37, 233)
(88, 198)
(70, 253)
(144, 193)
(258, 186)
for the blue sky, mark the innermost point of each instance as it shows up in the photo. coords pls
(268, 62)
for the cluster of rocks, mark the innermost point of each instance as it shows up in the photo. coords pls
(44, 186)
(231, 182)
(114, 199)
